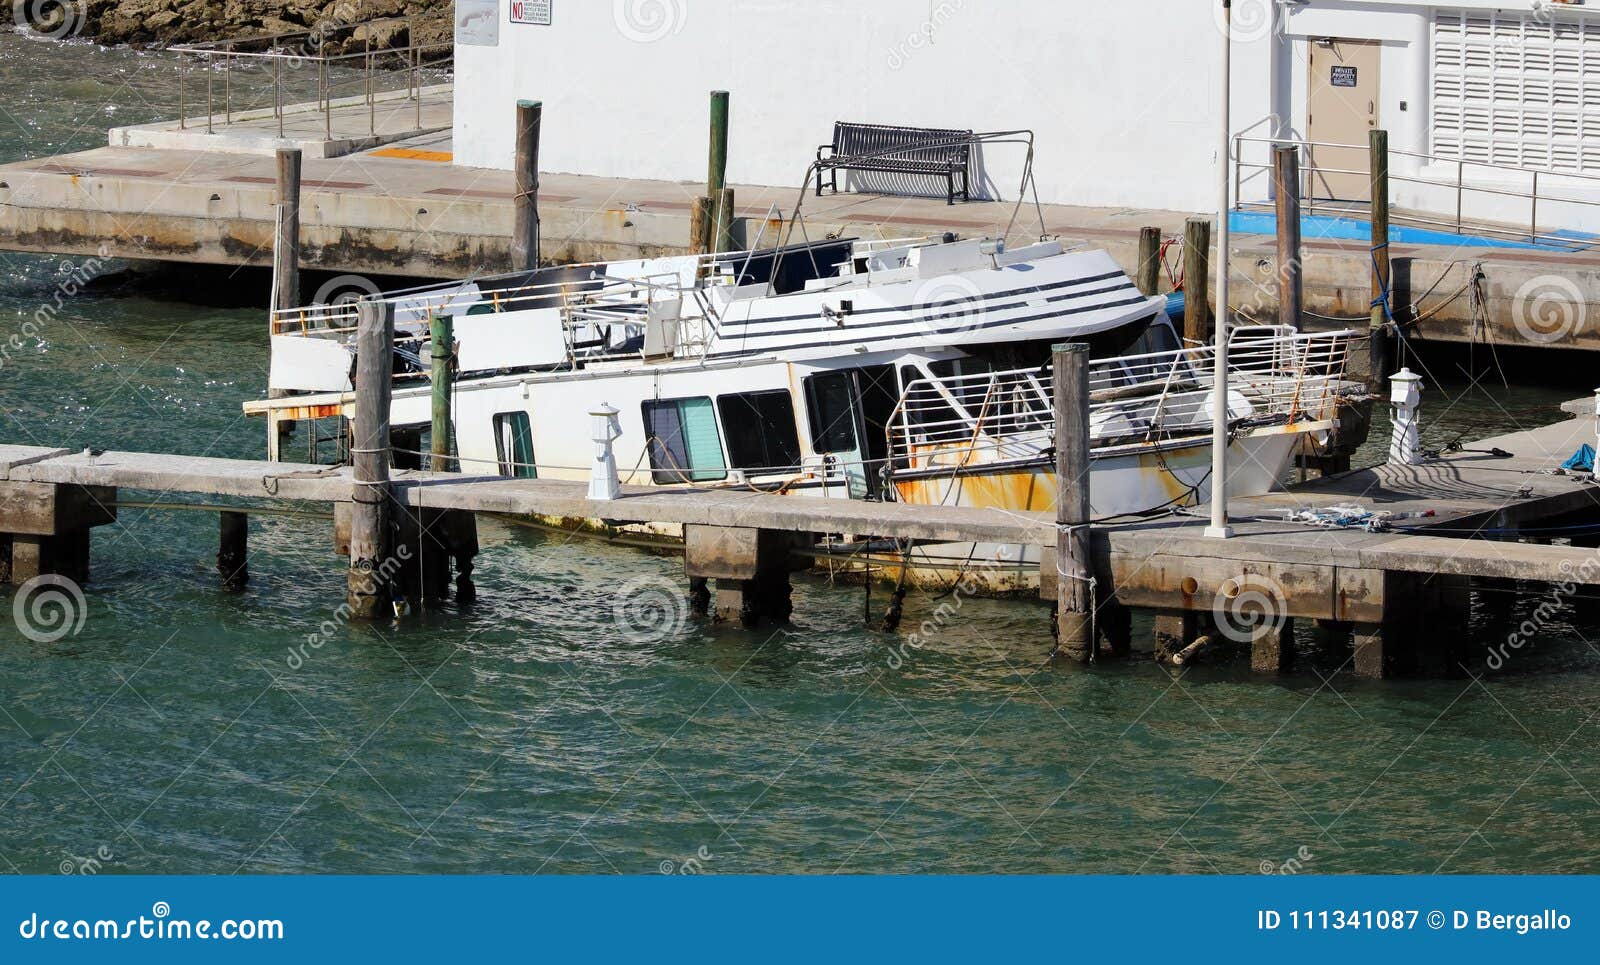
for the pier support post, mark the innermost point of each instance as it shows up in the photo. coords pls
(368, 591)
(1380, 348)
(750, 570)
(441, 340)
(1272, 648)
(46, 527)
(701, 226)
(1149, 278)
(1173, 632)
(1197, 281)
(1075, 566)
(724, 240)
(286, 242)
(1286, 184)
(525, 228)
(717, 152)
(233, 554)
(1414, 626)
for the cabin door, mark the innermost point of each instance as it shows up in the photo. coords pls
(849, 413)
(1342, 108)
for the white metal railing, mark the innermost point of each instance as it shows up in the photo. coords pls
(243, 66)
(1276, 377)
(1534, 196)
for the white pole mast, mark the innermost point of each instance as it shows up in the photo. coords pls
(1219, 527)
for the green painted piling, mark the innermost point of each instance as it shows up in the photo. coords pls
(717, 168)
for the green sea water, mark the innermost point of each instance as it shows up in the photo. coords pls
(549, 728)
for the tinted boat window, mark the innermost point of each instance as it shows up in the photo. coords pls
(760, 429)
(832, 416)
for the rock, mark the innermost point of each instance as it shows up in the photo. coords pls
(168, 22)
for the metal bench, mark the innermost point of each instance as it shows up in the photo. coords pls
(897, 150)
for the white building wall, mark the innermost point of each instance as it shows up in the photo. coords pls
(1122, 95)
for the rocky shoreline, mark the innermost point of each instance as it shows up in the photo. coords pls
(324, 26)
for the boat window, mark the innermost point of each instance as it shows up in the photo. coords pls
(683, 440)
(513, 445)
(760, 429)
(828, 403)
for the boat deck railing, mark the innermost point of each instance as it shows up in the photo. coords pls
(1286, 378)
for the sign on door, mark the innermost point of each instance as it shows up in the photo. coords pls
(536, 12)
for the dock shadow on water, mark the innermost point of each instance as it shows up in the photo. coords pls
(578, 718)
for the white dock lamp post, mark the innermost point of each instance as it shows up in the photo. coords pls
(1219, 527)
(604, 430)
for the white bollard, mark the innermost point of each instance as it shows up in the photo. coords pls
(1597, 431)
(1405, 446)
(604, 430)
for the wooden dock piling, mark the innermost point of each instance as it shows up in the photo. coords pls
(1197, 280)
(717, 154)
(1381, 348)
(441, 338)
(525, 228)
(1075, 598)
(368, 591)
(724, 240)
(701, 225)
(1149, 279)
(233, 554)
(286, 239)
(1286, 184)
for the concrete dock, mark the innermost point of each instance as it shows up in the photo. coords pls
(1399, 596)
(402, 208)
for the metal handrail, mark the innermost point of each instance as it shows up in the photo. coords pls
(1285, 379)
(417, 56)
(1461, 186)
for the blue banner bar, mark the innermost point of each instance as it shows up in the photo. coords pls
(820, 920)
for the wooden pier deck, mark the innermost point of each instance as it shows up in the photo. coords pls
(1358, 580)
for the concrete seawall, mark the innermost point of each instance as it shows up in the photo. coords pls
(402, 210)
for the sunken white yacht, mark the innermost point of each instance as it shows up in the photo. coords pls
(912, 370)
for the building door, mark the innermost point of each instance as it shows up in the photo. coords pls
(1342, 108)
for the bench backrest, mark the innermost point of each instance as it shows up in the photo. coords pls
(890, 142)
